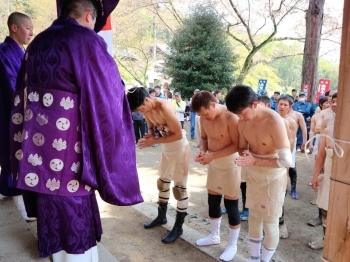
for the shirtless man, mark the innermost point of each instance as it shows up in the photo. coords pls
(325, 113)
(165, 129)
(264, 148)
(218, 150)
(321, 183)
(299, 119)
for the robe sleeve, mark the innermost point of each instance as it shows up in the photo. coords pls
(109, 158)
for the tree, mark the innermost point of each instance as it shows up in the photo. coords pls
(201, 55)
(314, 18)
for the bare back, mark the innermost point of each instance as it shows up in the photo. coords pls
(221, 131)
(264, 135)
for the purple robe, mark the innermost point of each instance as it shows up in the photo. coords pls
(11, 55)
(71, 134)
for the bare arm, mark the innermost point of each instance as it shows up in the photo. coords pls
(203, 144)
(242, 142)
(319, 162)
(302, 125)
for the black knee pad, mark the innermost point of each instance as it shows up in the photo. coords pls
(234, 218)
(214, 202)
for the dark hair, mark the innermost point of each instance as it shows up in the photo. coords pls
(240, 97)
(286, 98)
(264, 99)
(169, 94)
(335, 95)
(16, 18)
(202, 99)
(77, 8)
(216, 92)
(157, 87)
(322, 101)
(327, 93)
(151, 90)
(294, 90)
(276, 92)
(136, 97)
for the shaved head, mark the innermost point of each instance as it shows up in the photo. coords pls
(77, 8)
(17, 19)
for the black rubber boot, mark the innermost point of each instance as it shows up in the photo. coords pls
(161, 218)
(177, 229)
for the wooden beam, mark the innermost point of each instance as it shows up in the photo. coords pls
(337, 241)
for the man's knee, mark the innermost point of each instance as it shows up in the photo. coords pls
(180, 194)
(231, 206)
(214, 202)
(271, 230)
(164, 189)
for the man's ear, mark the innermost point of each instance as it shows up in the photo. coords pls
(255, 105)
(14, 28)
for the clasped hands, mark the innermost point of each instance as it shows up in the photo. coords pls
(246, 159)
(146, 141)
(203, 158)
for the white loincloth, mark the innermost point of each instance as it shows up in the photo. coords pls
(266, 187)
(90, 255)
(243, 174)
(173, 164)
(324, 187)
(224, 177)
(315, 150)
(294, 153)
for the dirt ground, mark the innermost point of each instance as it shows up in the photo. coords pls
(127, 240)
(297, 212)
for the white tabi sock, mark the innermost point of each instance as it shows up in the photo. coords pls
(266, 254)
(231, 248)
(214, 237)
(254, 246)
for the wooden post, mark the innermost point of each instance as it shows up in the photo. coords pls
(337, 241)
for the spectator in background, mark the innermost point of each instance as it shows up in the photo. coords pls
(139, 125)
(274, 99)
(152, 92)
(159, 93)
(180, 107)
(303, 107)
(217, 94)
(170, 97)
(193, 116)
(165, 92)
(294, 95)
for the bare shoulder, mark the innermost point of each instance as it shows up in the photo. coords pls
(275, 119)
(165, 106)
(231, 116)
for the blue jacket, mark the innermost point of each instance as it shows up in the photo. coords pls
(303, 107)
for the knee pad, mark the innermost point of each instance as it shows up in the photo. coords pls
(214, 202)
(164, 189)
(163, 185)
(180, 194)
(234, 217)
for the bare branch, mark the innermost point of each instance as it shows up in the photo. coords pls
(274, 59)
(300, 39)
(237, 39)
(244, 23)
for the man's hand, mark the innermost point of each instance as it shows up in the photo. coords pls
(302, 148)
(247, 159)
(206, 158)
(146, 141)
(198, 156)
(311, 148)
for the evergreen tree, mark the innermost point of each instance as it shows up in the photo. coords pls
(201, 56)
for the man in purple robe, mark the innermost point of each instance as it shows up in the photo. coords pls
(70, 124)
(11, 54)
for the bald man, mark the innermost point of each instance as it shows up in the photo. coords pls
(11, 54)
